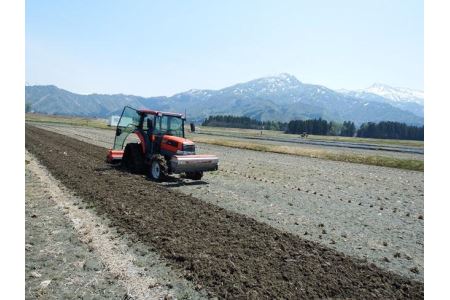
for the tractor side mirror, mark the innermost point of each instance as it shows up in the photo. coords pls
(118, 131)
(192, 127)
(149, 125)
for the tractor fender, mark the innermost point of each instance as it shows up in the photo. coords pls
(142, 139)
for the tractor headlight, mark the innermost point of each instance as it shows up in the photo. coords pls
(187, 149)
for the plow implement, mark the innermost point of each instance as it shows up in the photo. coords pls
(194, 163)
(178, 164)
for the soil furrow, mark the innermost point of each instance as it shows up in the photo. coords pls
(230, 255)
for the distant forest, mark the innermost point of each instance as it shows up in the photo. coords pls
(243, 122)
(391, 130)
(382, 130)
(321, 127)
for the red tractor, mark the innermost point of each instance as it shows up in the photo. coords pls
(162, 148)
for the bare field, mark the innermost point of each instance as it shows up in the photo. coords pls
(67, 120)
(370, 212)
(226, 253)
(382, 158)
(280, 134)
(71, 252)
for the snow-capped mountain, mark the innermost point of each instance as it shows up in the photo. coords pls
(403, 98)
(282, 97)
(396, 94)
(283, 84)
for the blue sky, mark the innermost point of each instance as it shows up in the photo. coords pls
(152, 48)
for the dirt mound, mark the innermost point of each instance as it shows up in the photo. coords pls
(230, 255)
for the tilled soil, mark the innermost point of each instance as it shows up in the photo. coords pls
(71, 252)
(370, 212)
(230, 255)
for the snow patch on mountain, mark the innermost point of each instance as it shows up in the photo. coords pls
(403, 98)
(282, 97)
(396, 93)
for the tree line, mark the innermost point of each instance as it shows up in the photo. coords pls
(382, 130)
(321, 127)
(243, 122)
(391, 130)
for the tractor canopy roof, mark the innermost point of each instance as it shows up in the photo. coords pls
(155, 112)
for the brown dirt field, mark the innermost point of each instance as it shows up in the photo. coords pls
(70, 246)
(228, 254)
(368, 212)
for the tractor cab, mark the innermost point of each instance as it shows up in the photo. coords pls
(162, 145)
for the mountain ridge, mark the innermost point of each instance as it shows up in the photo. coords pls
(403, 98)
(282, 98)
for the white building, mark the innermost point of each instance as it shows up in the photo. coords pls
(113, 120)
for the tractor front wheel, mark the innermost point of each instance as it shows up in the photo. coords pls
(158, 168)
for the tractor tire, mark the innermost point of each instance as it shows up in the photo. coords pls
(133, 159)
(158, 168)
(194, 175)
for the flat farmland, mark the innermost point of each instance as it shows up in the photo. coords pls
(226, 254)
(350, 145)
(368, 212)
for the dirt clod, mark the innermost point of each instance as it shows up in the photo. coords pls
(44, 284)
(92, 265)
(35, 274)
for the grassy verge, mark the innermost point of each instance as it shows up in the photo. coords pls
(76, 121)
(375, 160)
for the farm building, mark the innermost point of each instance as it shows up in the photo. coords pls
(113, 120)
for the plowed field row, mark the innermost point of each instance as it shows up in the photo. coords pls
(228, 254)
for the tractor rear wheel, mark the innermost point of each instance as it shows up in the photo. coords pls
(158, 168)
(133, 160)
(194, 175)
